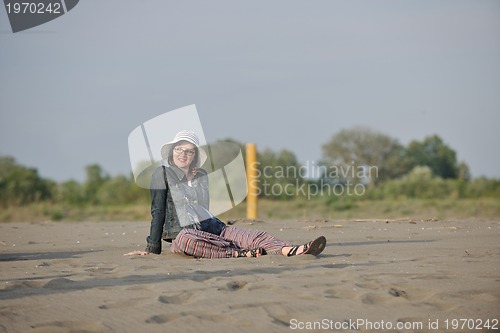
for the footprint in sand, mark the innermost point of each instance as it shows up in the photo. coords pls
(182, 298)
(164, 318)
(236, 285)
(377, 298)
(396, 292)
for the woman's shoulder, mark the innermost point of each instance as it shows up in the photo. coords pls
(158, 179)
(160, 171)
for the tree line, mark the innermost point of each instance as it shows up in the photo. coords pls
(21, 185)
(422, 169)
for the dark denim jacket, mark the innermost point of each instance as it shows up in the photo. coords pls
(172, 202)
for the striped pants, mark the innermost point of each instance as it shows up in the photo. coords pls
(202, 244)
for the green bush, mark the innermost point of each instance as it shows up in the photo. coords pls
(481, 187)
(418, 183)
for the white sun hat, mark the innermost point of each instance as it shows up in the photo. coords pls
(189, 136)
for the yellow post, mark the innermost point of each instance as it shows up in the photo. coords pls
(252, 180)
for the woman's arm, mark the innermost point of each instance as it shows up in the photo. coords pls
(158, 210)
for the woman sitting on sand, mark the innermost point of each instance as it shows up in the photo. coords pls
(179, 210)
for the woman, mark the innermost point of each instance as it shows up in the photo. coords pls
(180, 215)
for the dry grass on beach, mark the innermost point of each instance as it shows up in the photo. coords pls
(72, 277)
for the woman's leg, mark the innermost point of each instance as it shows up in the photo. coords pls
(202, 244)
(314, 247)
(253, 240)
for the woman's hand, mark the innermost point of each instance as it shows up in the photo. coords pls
(137, 253)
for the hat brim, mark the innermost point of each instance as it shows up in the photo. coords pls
(165, 150)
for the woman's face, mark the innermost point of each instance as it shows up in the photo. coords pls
(184, 154)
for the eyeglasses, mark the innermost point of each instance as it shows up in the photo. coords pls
(188, 152)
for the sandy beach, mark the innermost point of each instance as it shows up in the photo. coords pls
(374, 275)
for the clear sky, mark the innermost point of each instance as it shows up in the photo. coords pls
(282, 74)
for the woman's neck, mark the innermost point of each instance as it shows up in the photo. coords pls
(187, 173)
